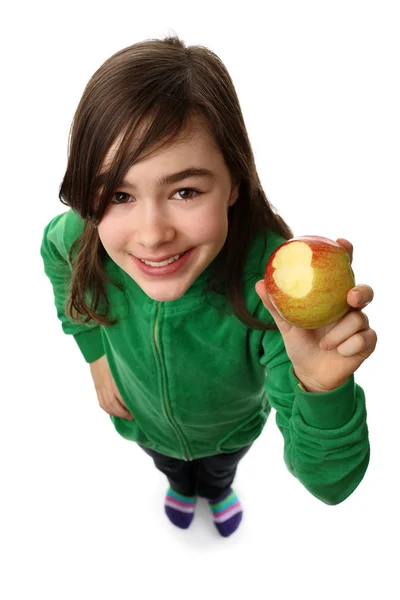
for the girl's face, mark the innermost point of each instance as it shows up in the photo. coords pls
(152, 220)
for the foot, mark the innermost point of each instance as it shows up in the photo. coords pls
(179, 508)
(227, 512)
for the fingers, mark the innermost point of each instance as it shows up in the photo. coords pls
(113, 405)
(350, 336)
(360, 296)
(120, 403)
(348, 245)
(125, 414)
(362, 343)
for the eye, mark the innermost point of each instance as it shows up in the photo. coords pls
(121, 197)
(191, 190)
(120, 201)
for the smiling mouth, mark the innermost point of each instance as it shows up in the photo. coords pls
(163, 263)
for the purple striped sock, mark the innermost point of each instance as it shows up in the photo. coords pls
(179, 508)
(227, 512)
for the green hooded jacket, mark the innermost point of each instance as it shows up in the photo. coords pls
(198, 382)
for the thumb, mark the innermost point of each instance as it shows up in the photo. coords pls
(261, 290)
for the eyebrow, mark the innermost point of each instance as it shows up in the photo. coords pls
(175, 177)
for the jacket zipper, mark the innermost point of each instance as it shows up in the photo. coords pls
(173, 425)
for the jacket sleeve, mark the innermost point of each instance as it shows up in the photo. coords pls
(54, 249)
(326, 444)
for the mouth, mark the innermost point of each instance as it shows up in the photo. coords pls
(163, 262)
(167, 267)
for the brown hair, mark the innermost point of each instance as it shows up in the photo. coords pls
(170, 83)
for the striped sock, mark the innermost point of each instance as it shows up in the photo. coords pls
(227, 512)
(179, 508)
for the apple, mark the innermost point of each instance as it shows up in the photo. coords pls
(307, 279)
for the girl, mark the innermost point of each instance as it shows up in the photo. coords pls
(157, 271)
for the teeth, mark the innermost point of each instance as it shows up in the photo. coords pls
(164, 262)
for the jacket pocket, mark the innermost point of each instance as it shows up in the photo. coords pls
(243, 434)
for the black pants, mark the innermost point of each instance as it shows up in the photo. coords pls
(207, 477)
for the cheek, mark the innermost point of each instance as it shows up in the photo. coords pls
(211, 224)
(110, 235)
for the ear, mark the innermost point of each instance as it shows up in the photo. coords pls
(234, 194)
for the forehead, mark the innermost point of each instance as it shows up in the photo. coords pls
(195, 140)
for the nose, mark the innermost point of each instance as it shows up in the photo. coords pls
(153, 227)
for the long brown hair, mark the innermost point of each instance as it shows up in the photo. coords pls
(170, 83)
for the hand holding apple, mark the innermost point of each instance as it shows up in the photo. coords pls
(323, 357)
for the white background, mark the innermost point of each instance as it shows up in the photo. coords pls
(81, 508)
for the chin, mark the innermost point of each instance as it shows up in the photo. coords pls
(165, 296)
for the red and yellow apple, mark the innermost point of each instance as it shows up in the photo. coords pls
(307, 279)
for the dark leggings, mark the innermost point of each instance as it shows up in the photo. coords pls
(207, 477)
